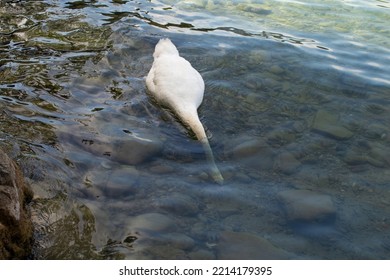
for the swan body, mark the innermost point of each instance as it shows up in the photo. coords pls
(174, 83)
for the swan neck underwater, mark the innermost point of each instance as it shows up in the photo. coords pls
(174, 83)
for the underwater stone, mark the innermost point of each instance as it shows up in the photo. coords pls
(286, 163)
(192, 3)
(376, 131)
(122, 182)
(281, 136)
(253, 8)
(353, 158)
(179, 240)
(305, 205)
(253, 82)
(162, 169)
(151, 222)
(276, 69)
(379, 154)
(113, 183)
(247, 246)
(375, 154)
(129, 149)
(328, 123)
(238, 221)
(201, 255)
(179, 204)
(164, 252)
(254, 153)
(135, 150)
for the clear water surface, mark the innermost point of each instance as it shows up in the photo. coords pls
(297, 109)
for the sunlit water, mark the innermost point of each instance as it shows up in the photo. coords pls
(296, 108)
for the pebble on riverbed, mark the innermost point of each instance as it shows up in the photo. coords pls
(135, 150)
(117, 183)
(151, 222)
(201, 255)
(305, 205)
(178, 204)
(286, 163)
(328, 123)
(375, 154)
(127, 150)
(154, 235)
(253, 153)
(248, 246)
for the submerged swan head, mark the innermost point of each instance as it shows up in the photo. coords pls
(165, 46)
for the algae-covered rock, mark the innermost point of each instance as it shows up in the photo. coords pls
(15, 220)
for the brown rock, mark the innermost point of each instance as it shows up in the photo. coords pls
(15, 222)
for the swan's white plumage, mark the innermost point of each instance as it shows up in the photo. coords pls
(174, 83)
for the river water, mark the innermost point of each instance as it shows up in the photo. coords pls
(296, 107)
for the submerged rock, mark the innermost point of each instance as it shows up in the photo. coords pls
(375, 154)
(178, 240)
(120, 182)
(257, 154)
(248, 246)
(376, 131)
(131, 150)
(305, 205)
(201, 255)
(135, 150)
(276, 69)
(162, 169)
(328, 123)
(253, 153)
(154, 234)
(15, 220)
(151, 222)
(286, 163)
(179, 204)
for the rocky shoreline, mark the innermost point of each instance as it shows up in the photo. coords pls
(16, 230)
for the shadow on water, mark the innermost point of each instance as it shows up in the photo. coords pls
(303, 145)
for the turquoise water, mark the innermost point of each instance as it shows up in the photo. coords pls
(296, 108)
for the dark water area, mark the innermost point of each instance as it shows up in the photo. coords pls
(296, 107)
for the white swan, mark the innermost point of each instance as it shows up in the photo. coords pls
(174, 83)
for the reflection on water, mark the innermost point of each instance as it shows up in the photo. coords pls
(296, 114)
